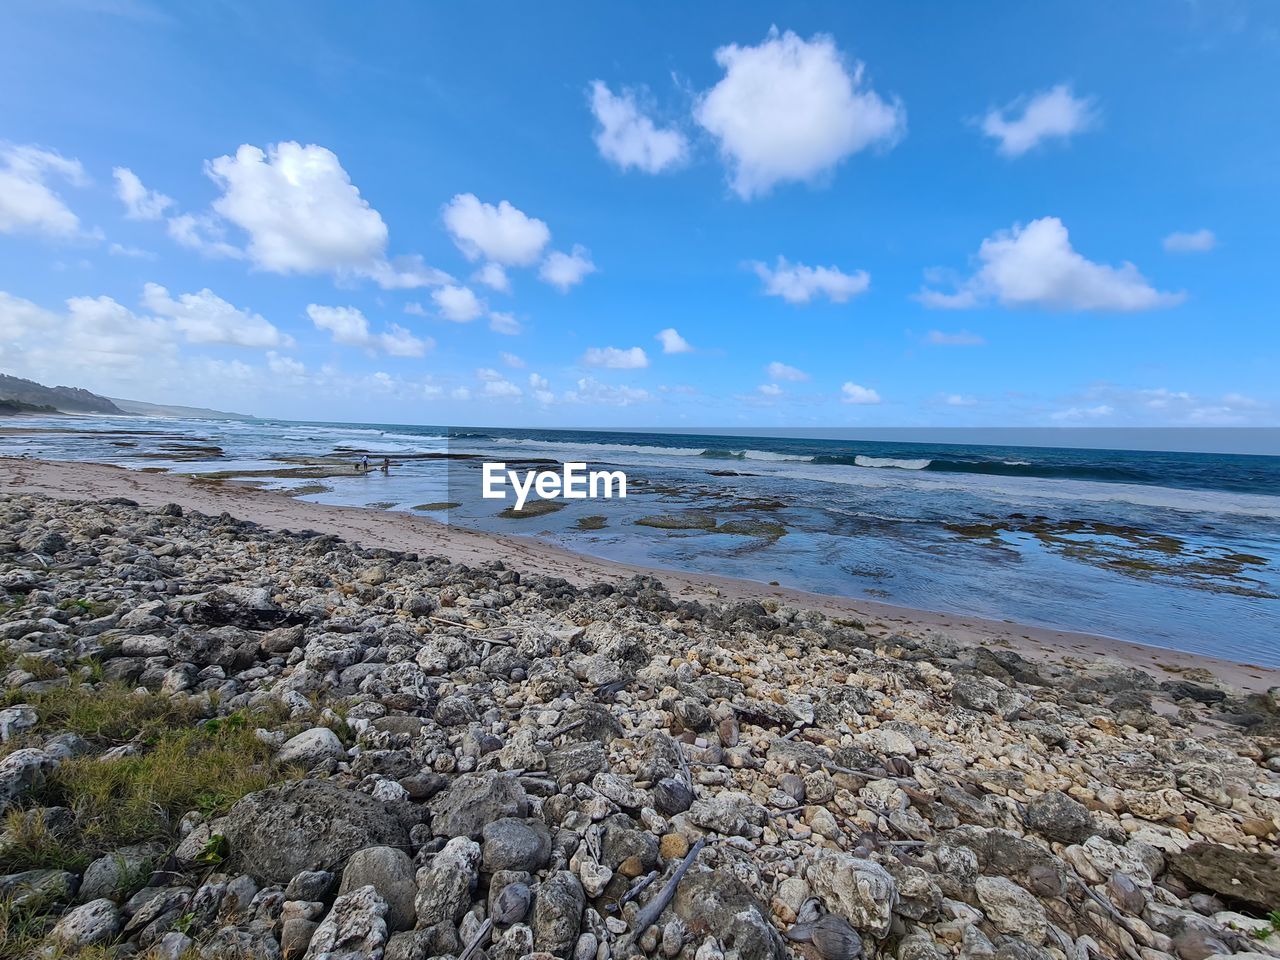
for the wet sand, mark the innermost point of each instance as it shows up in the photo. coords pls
(401, 531)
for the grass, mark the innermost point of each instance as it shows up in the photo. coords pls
(109, 713)
(180, 765)
(42, 668)
(141, 797)
(532, 508)
(23, 931)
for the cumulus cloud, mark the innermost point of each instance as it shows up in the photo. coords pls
(1051, 114)
(855, 393)
(797, 283)
(28, 204)
(501, 234)
(628, 138)
(780, 371)
(302, 214)
(95, 341)
(1197, 241)
(459, 304)
(202, 233)
(300, 209)
(350, 327)
(672, 342)
(960, 338)
(1036, 266)
(565, 270)
(504, 323)
(205, 317)
(615, 358)
(139, 202)
(791, 110)
(593, 392)
(512, 360)
(493, 275)
(770, 389)
(285, 366)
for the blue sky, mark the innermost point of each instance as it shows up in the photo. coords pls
(927, 214)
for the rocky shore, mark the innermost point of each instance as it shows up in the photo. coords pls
(221, 741)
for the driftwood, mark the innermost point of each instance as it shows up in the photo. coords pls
(481, 936)
(648, 916)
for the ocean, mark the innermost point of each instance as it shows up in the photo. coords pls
(1173, 550)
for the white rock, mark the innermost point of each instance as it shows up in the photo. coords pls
(311, 747)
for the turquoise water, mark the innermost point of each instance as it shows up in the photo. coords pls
(1177, 550)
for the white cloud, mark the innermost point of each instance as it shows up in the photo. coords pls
(459, 304)
(797, 283)
(501, 234)
(615, 358)
(770, 389)
(504, 323)
(205, 317)
(593, 392)
(961, 338)
(27, 203)
(1036, 266)
(1083, 413)
(285, 366)
(408, 272)
(460, 393)
(1198, 241)
(494, 276)
(139, 202)
(501, 387)
(96, 342)
(565, 270)
(512, 360)
(303, 215)
(538, 382)
(959, 400)
(628, 138)
(120, 250)
(202, 233)
(301, 210)
(1051, 114)
(855, 393)
(350, 327)
(791, 109)
(672, 342)
(780, 371)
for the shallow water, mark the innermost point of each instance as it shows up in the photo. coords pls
(1172, 550)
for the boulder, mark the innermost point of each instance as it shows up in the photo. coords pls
(95, 922)
(312, 747)
(353, 930)
(306, 825)
(390, 872)
(716, 903)
(444, 887)
(860, 891)
(1247, 878)
(1057, 816)
(557, 914)
(475, 799)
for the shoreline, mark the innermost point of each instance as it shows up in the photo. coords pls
(82, 480)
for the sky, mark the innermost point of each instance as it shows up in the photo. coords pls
(722, 214)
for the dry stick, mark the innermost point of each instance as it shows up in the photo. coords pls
(653, 909)
(634, 892)
(480, 937)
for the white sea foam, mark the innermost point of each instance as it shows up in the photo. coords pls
(891, 462)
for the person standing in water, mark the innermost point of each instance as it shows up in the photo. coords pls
(364, 463)
(386, 465)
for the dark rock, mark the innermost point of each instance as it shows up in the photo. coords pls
(716, 903)
(511, 844)
(1251, 879)
(307, 825)
(475, 799)
(1057, 816)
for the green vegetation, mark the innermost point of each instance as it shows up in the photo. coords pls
(109, 714)
(698, 520)
(532, 508)
(442, 505)
(591, 523)
(309, 490)
(679, 521)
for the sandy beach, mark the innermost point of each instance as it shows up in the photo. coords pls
(374, 528)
